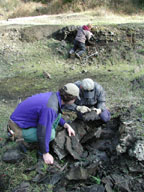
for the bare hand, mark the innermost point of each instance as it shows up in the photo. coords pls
(70, 130)
(48, 158)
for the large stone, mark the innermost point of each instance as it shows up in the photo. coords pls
(23, 187)
(12, 156)
(95, 188)
(59, 144)
(80, 128)
(77, 173)
(94, 133)
(138, 150)
(90, 116)
(74, 147)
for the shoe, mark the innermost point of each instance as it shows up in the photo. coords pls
(71, 51)
(22, 148)
(78, 56)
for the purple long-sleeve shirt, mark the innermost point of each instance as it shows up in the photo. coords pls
(39, 111)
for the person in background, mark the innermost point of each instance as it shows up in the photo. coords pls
(83, 34)
(36, 118)
(92, 97)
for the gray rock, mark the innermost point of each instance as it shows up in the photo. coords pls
(77, 173)
(23, 187)
(59, 144)
(74, 147)
(138, 150)
(95, 188)
(95, 133)
(121, 182)
(90, 116)
(12, 156)
(80, 128)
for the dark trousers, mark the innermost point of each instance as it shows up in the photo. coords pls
(80, 47)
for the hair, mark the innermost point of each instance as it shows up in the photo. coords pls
(65, 96)
(89, 26)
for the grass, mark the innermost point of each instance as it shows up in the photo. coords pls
(23, 76)
(22, 67)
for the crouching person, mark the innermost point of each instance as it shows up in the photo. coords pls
(92, 98)
(36, 118)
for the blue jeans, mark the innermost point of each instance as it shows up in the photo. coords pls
(79, 46)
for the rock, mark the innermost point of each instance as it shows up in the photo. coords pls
(121, 182)
(138, 150)
(77, 173)
(55, 178)
(23, 187)
(12, 156)
(59, 189)
(90, 116)
(59, 144)
(46, 75)
(95, 188)
(74, 147)
(95, 133)
(80, 128)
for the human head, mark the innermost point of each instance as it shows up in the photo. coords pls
(69, 92)
(89, 26)
(88, 88)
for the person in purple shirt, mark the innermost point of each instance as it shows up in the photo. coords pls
(34, 118)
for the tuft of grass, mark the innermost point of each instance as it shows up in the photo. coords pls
(96, 179)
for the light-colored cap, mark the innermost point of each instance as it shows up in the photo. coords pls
(72, 89)
(88, 84)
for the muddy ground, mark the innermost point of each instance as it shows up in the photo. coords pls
(102, 157)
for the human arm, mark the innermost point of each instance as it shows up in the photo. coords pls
(89, 35)
(71, 107)
(48, 158)
(100, 97)
(45, 122)
(70, 130)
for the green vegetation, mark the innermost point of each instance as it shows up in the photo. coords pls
(25, 76)
(34, 66)
(96, 179)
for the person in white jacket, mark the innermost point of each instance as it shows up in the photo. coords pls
(84, 33)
